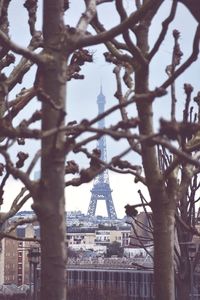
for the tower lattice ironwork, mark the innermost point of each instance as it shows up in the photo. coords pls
(101, 188)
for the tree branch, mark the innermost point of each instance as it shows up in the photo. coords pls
(133, 19)
(136, 52)
(16, 173)
(36, 58)
(193, 57)
(165, 25)
(87, 16)
(19, 222)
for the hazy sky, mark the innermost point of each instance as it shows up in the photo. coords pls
(82, 95)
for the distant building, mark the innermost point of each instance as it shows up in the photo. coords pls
(14, 266)
(80, 236)
(9, 261)
(78, 218)
(142, 231)
(97, 236)
(89, 236)
(128, 283)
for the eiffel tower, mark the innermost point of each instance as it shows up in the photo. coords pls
(101, 188)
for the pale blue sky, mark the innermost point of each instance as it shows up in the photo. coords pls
(82, 95)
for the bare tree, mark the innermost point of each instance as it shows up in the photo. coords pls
(165, 187)
(186, 232)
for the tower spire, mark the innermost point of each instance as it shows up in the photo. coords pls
(101, 89)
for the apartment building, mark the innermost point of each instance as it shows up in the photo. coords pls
(9, 269)
(14, 265)
(100, 236)
(80, 235)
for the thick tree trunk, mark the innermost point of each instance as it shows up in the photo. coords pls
(183, 288)
(50, 204)
(163, 208)
(183, 278)
(163, 224)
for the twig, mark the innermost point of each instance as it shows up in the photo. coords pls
(71, 129)
(133, 19)
(36, 58)
(165, 25)
(182, 155)
(193, 57)
(16, 173)
(92, 173)
(137, 236)
(33, 163)
(136, 52)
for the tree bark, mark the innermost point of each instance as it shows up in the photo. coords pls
(49, 204)
(183, 278)
(163, 223)
(183, 288)
(163, 207)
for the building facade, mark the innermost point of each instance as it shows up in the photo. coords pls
(96, 236)
(127, 283)
(14, 265)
